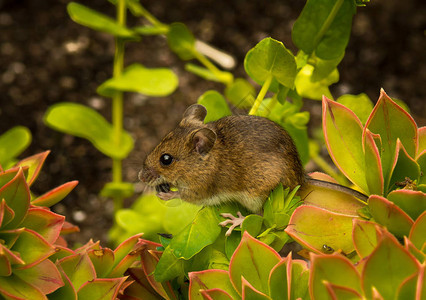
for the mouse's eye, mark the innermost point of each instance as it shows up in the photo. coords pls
(166, 159)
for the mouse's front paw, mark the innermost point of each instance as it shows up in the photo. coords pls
(234, 221)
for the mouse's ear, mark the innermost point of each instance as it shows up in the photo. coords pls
(195, 112)
(203, 140)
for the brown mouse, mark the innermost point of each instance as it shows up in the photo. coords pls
(237, 158)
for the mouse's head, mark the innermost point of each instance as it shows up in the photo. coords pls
(182, 157)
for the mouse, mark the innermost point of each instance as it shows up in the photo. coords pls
(238, 158)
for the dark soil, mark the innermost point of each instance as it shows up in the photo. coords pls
(46, 58)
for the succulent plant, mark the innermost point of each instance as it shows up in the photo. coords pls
(385, 158)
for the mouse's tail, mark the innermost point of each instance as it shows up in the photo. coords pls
(336, 187)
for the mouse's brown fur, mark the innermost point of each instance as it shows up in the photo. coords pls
(237, 158)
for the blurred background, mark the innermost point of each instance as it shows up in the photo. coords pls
(46, 58)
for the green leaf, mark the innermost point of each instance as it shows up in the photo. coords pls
(323, 68)
(44, 276)
(44, 222)
(343, 134)
(307, 87)
(308, 224)
(100, 289)
(270, 58)
(215, 104)
(364, 236)
(78, 268)
(330, 268)
(386, 277)
(250, 292)
(17, 196)
(417, 233)
(411, 202)
(169, 266)
(34, 164)
(252, 224)
(88, 17)
(241, 93)
(102, 260)
(82, 121)
(202, 232)
(360, 104)
(404, 166)
(151, 30)
(422, 140)
(254, 261)
(210, 279)
(374, 176)
(324, 27)
(216, 294)
(136, 78)
(181, 41)
(16, 288)
(390, 215)
(391, 122)
(32, 247)
(12, 143)
(56, 195)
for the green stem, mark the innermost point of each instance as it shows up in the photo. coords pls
(261, 95)
(117, 100)
(210, 66)
(151, 19)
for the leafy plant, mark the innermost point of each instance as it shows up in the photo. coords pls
(12, 143)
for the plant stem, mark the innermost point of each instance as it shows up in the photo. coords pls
(209, 65)
(328, 22)
(261, 95)
(117, 99)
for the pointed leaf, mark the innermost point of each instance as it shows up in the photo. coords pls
(101, 289)
(82, 121)
(169, 266)
(125, 247)
(421, 132)
(13, 287)
(389, 215)
(5, 266)
(17, 196)
(384, 276)
(78, 268)
(324, 28)
(215, 294)
(417, 233)
(88, 17)
(207, 280)
(35, 163)
(136, 78)
(403, 167)
(8, 175)
(343, 134)
(308, 224)
(141, 288)
(254, 261)
(13, 142)
(46, 223)
(6, 213)
(411, 202)
(66, 292)
(32, 247)
(340, 292)
(102, 260)
(374, 176)
(407, 289)
(364, 236)
(215, 104)
(250, 292)
(360, 104)
(56, 195)
(270, 58)
(329, 268)
(391, 122)
(44, 275)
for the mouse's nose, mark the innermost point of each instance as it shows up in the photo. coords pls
(147, 175)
